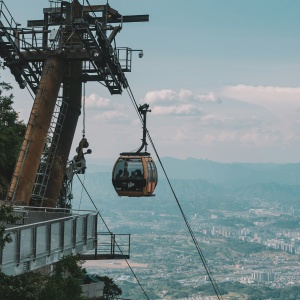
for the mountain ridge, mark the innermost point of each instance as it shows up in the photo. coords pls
(227, 174)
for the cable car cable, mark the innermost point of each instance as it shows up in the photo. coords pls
(83, 132)
(131, 96)
(81, 192)
(83, 111)
(91, 8)
(216, 289)
(211, 278)
(99, 214)
(29, 91)
(201, 255)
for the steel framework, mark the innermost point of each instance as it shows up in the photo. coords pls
(52, 57)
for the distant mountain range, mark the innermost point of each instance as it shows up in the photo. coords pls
(203, 189)
(206, 184)
(228, 174)
(232, 174)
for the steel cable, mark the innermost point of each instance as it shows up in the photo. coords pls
(99, 214)
(201, 255)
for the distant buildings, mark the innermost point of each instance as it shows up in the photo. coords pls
(263, 276)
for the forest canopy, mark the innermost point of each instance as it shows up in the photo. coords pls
(12, 131)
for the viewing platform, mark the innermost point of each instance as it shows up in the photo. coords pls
(43, 236)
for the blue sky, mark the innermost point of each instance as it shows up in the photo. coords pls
(221, 78)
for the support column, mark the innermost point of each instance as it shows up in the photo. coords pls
(72, 92)
(72, 96)
(39, 121)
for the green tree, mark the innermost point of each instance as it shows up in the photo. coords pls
(6, 216)
(64, 284)
(22, 287)
(11, 135)
(111, 290)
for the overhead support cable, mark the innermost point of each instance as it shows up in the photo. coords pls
(83, 111)
(200, 253)
(99, 214)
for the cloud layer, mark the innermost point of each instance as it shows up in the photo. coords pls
(97, 102)
(184, 102)
(264, 95)
(233, 120)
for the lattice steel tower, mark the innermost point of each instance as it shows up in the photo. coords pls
(74, 43)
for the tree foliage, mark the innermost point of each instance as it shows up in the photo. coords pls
(6, 216)
(11, 134)
(22, 287)
(63, 284)
(111, 290)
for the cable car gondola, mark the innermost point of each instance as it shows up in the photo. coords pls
(134, 173)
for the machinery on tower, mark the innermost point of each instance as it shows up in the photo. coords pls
(52, 57)
(134, 173)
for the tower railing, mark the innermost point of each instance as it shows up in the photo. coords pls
(43, 235)
(6, 15)
(43, 243)
(109, 246)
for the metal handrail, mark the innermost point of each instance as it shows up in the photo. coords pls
(12, 20)
(114, 246)
(42, 243)
(21, 227)
(48, 209)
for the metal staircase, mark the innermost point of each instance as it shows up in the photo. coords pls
(69, 33)
(27, 139)
(47, 158)
(43, 174)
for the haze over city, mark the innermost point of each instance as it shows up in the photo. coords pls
(221, 78)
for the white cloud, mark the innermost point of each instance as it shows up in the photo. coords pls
(198, 121)
(94, 101)
(259, 139)
(264, 95)
(227, 136)
(184, 102)
(113, 116)
(187, 96)
(221, 121)
(210, 97)
(183, 96)
(180, 135)
(136, 122)
(208, 139)
(183, 109)
(250, 137)
(159, 96)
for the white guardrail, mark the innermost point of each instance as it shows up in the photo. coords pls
(43, 243)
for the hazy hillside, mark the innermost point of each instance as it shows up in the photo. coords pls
(232, 174)
(202, 184)
(255, 198)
